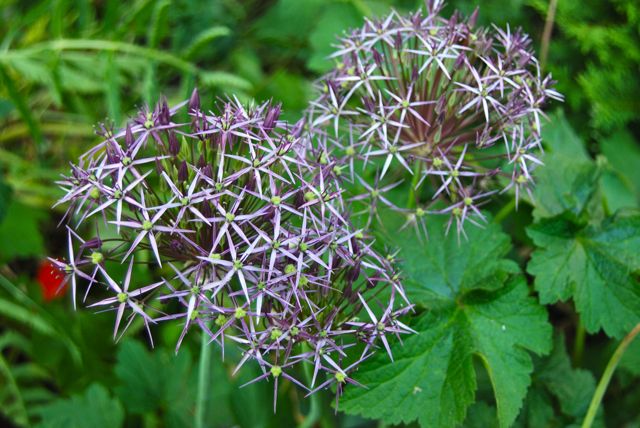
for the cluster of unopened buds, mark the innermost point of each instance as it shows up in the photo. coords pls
(453, 109)
(247, 237)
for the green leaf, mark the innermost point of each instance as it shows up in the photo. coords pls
(142, 389)
(19, 232)
(564, 184)
(572, 387)
(12, 403)
(438, 271)
(481, 415)
(288, 21)
(594, 265)
(22, 106)
(334, 21)
(25, 317)
(112, 88)
(5, 199)
(631, 359)
(557, 385)
(569, 179)
(478, 307)
(204, 38)
(95, 408)
(560, 139)
(623, 154)
(617, 190)
(291, 90)
(221, 79)
(158, 23)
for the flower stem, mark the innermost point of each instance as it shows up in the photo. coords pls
(411, 202)
(606, 376)
(204, 371)
(578, 344)
(546, 34)
(314, 411)
(505, 211)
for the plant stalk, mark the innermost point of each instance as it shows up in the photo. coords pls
(411, 200)
(204, 372)
(578, 344)
(504, 211)
(606, 376)
(314, 411)
(546, 34)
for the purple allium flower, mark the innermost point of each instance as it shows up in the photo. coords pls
(452, 109)
(249, 241)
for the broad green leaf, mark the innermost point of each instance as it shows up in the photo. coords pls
(479, 307)
(623, 155)
(617, 190)
(559, 138)
(569, 178)
(564, 184)
(95, 409)
(595, 265)
(156, 381)
(19, 232)
(442, 268)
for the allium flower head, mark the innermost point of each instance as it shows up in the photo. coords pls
(455, 110)
(248, 240)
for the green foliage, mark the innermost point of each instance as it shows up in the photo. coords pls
(156, 382)
(331, 24)
(65, 66)
(557, 384)
(623, 156)
(569, 178)
(596, 56)
(5, 199)
(583, 253)
(23, 379)
(593, 265)
(94, 408)
(478, 306)
(19, 232)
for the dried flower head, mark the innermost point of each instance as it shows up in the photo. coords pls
(250, 239)
(452, 108)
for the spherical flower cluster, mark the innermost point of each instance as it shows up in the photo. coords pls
(452, 109)
(248, 240)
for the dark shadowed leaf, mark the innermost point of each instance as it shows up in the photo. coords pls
(557, 385)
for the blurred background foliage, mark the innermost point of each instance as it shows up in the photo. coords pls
(66, 66)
